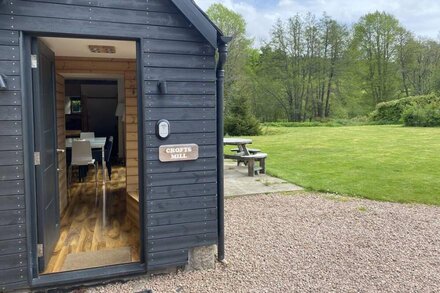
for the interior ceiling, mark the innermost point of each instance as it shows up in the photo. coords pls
(67, 47)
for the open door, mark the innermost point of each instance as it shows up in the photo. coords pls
(48, 216)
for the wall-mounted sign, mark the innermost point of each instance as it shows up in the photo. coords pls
(178, 152)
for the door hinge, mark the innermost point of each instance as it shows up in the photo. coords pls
(37, 160)
(34, 61)
(40, 250)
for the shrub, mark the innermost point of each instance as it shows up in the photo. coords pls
(391, 112)
(357, 121)
(239, 120)
(427, 115)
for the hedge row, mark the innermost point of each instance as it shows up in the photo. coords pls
(412, 111)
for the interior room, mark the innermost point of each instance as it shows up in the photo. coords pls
(97, 145)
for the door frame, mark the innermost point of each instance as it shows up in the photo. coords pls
(93, 275)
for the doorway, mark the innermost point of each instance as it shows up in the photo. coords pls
(85, 106)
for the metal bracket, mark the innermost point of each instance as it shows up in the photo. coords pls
(34, 61)
(40, 250)
(37, 159)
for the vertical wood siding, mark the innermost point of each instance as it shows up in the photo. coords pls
(180, 197)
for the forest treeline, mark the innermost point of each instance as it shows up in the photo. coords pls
(315, 68)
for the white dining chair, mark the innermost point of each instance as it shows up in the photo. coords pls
(82, 156)
(87, 135)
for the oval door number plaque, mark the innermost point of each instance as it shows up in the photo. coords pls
(178, 152)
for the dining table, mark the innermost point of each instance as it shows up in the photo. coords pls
(96, 143)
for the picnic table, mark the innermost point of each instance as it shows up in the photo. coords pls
(240, 143)
(245, 155)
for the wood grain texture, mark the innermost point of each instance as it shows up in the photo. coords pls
(81, 225)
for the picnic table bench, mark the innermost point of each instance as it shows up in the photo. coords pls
(246, 156)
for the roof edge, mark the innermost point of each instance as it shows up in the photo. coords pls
(199, 20)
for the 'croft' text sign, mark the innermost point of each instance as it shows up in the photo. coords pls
(178, 152)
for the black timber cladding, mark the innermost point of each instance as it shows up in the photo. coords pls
(181, 196)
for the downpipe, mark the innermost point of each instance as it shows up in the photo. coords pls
(223, 55)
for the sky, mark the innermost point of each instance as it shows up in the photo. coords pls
(422, 17)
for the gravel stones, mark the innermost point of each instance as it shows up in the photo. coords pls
(320, 243)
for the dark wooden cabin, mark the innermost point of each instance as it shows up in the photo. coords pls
(141, 72)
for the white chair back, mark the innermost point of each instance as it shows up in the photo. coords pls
(81, 152)
(87, 135)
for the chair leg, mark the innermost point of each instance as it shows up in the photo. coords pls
(69, 181)
(109, 170)
(96, 183)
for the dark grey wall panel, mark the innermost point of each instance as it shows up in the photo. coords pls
(181, 204)
(186, 126)
(9, 52)
(43, 9)
(12, 232)
(181, 242)
(181, 178)
(11, 187)
(11, 158)
(10, 112)
(10, 67)
(190, 190)
(11, 172)
(12, 276)
(10, 98)
(8, 37)
(11, 202)
(181, 217)
(203, 138)
(10, 128)
(178, 47)
(13, 83)
(164, 259)
(173, 114)
(12, 261)
(11, 217)
(179, 74)
(143, 5)
(183, 87)
(154, 167)
(9, 143)
(178, 61)
(182, 229)
(110, 29)
(12, 246)
(55, 25)
(184, 101)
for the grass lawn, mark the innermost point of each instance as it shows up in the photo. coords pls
(390, 163)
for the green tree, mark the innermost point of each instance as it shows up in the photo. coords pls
(300, 68)
(376, 40)
(233, 25)
(240, 120)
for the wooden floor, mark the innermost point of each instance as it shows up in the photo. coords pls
(81, 224)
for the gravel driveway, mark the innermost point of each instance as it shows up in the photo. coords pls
(316, 243)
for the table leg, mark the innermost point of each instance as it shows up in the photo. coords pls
(251, 169)
(104, 199)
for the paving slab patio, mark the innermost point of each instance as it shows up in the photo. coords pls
(237, 182)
